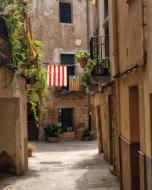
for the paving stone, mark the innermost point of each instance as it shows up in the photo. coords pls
(71, 165)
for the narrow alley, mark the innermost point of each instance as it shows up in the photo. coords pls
(71, 165)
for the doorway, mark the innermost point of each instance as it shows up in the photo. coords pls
(111, 143)
(99, 128)
(33, 131)
(134, 137)
(66, 118)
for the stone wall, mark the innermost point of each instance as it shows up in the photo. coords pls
(62, 38)
(13, 123)
(79, 102)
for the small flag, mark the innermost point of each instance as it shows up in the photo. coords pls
(57, 76)
(74, 83)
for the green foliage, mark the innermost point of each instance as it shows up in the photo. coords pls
(52, 131)
(82, 55)
(86, 77)
(91, 65)
(87, 133)
(37, 96)
(26, 54)
(13, 11)
(104, 63)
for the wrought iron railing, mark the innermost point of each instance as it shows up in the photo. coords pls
(99, 52)
(99, 47)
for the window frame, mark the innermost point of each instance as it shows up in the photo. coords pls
(66, 2)
(72, 54)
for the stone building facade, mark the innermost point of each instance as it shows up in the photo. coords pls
(62, 27)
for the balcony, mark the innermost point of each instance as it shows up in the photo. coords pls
(99, 51)
(74, 86)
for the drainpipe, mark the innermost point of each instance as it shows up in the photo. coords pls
(117, 70)
(88, 47)
(144, 25)
(88, 23)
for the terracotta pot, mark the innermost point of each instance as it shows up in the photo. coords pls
(87, 138)
(30, 152)
(83, 63)
(106, 72)
(52, 139)
(31, 87)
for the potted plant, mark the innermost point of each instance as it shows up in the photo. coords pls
(105, 65)
(31, 147)
(52, 132)
(82, 57)
(87, 135)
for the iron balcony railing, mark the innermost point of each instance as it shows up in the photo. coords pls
(99, 53)
(99, 47)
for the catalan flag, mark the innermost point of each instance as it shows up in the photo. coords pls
(74, 83)
(57, 76)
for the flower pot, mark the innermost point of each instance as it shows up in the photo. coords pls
(31, 87)
(30, 151)
(106, 72)
(87, 138)
(52, 139)
(83, 63)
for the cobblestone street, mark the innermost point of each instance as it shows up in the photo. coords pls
(71, 165)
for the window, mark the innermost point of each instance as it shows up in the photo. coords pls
(3, 28)
(65, 118)
(68, 59)
(106, 8)
(65, 12)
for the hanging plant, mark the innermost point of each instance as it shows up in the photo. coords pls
(26, 54)
(82, 57)
(86, 77)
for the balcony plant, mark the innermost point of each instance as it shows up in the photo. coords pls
(87, 134)
(105, 65)
(101, 68)
(82, 57)
(86, 77)
(52, 132)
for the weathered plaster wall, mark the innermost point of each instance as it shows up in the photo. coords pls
(59, 37)
(13, 123)
(130, 52)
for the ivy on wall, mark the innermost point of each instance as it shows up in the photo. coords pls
(26, 54)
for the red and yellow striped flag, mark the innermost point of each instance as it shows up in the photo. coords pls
(74, 83)
(57, 76)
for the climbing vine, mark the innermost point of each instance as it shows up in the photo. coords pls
(26, 54)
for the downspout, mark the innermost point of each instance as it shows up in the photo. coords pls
(88, 23)
(117, 83)
(144, 26)
(88, 47)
